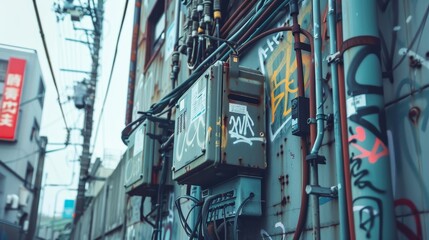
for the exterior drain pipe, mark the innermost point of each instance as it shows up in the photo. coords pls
(368, 154)
(333, 62)
(314, 158)
(133, 62)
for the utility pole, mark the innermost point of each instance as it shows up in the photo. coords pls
(373, 208)
(37, 187)
(85, 158)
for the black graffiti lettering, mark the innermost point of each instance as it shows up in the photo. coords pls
(359, 175)
(370, 212)
(367, 217)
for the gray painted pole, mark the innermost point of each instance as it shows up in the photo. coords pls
(369, 161)
(342, 204)
(320, 117)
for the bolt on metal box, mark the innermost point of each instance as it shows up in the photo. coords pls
(220, 129)
(143, 161)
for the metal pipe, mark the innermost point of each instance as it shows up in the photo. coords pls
(177, 23)
(319, 115)
(315, 201)
(296, 30)
(342, 203)
(368, 154)
(133, 62)
(344, 142)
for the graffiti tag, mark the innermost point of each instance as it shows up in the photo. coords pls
(242, 129)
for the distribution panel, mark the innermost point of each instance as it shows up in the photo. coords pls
(232, 195)
(143, 164)
(220, 126)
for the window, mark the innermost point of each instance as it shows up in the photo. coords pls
(34, 130)
(3, 69)
(41, 92)
(29, 175)
(155, 30)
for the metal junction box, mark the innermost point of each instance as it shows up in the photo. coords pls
(220, 126)
(143, 161)
(232, 194)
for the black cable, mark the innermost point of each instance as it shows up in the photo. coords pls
(215, 230)
(418, 33)
(160, 194)
(49, 61)
(230, 44)
(144, 218)
(237, 214)
(189, 214)
(198, 223)
(171, 98)
(111, 73)
(205, 211)
(182, 219)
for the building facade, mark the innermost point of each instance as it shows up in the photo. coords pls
(344, 104)
(22, 91)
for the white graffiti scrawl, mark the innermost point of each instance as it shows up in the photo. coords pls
(242, 125)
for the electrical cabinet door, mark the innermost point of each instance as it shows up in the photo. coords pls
(220, 126)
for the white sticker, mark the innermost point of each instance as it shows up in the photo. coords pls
(354, 103)
(237, 108)
(198, 101)
(138, 141)
(169, 44)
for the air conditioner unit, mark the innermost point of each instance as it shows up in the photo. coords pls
(12, 201)
(220, 127)
(24, 196)
(143, 160)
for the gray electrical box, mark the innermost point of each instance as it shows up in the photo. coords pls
(220, 126)
(143, 161)
(232, 194)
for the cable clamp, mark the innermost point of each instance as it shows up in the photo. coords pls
(335, 57)
(311, 121)
(331, 192)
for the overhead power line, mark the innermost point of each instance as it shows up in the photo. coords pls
(49, 61)
(111, 72)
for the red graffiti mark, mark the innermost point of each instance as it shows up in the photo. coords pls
(378, 150)
(360, 134)
(404, 228)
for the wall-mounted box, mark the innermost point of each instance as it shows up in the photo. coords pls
(220, 127)
(143, 161)
(232, 194)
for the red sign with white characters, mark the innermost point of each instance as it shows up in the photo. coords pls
(9, 106)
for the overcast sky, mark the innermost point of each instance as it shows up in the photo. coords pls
(18, 26)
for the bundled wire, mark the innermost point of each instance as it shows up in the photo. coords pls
(168, 101)
(182, 218)
(205, 211)
(237, 214)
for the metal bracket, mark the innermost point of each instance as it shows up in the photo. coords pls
(319, 116)
(311, 121)
(315, 158)
(335, 57)
(331, 192)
